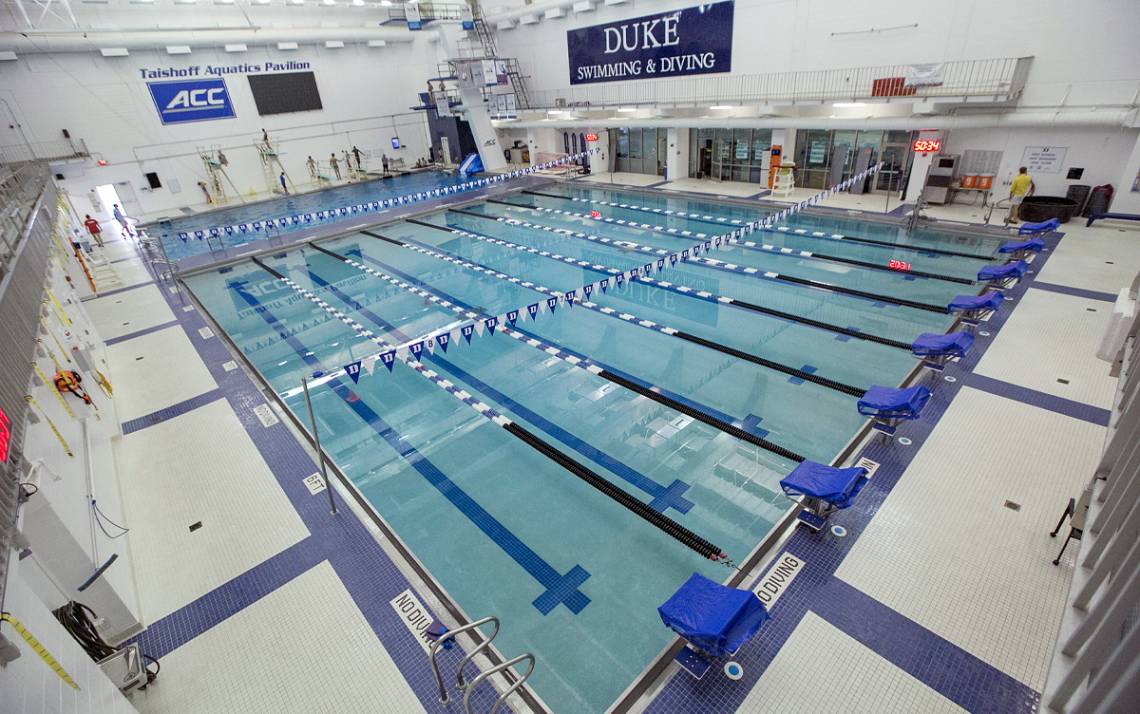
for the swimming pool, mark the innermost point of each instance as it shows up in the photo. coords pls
(346, 195)
(682, 421)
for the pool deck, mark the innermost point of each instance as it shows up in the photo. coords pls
(940, 597)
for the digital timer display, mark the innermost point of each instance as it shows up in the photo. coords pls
(898, 265)
(591, 137)
(927, 146)
(595, 214)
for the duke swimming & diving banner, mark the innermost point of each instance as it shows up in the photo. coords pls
(191, 100)
(695, 40)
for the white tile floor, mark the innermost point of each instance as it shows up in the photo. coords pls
(857, 680)
(200, 466)
(126, 312)
(1103, 257)
(736, 189)
(944, 550)
(623, 179)
(143, 386)
(303, 648)
(1066, 336)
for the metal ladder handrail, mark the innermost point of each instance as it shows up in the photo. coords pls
(449, 635)
(499, 668)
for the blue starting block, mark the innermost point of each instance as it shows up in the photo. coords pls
(1003, 276)
(889, 406)
(821, 490)
(937, 350)
(1022, 249)
(715, 619)
(1030, 229)
(975, 308)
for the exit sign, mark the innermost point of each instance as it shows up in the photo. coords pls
(927, 146)
(591, 137)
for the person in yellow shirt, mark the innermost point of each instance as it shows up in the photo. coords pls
(1021, 187)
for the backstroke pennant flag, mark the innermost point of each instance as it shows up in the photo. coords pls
(352, 369)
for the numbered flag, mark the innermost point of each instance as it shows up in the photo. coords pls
(183, 235)
(416, 349)
(603, 284)
(619, 278)
(512, 316)
(570, 296)
(587, 290)
(229, 231)
(552, 303)
(661, 263)
(685, 254)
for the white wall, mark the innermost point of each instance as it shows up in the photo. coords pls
(1100, 152)
(366, 93)
(1085, 53)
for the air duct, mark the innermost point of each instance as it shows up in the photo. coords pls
(197, 38)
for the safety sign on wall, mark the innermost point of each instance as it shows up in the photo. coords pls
(191, 100)
(1043, 159)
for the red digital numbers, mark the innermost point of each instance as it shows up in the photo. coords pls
(591, 137)
(5, 436)
(595, 214)
(927, 146)
(898, 265)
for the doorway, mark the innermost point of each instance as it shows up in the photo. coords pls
(110, 194)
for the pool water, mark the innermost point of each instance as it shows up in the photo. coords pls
(345, 195)
(574, 576)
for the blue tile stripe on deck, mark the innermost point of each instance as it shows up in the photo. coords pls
(1033, 397)
(1075, 292)
(495, 530)
(664, 497)
(175, 410)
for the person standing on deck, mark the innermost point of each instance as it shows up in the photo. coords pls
(94, 229)
(284, 187)
(335, 166)
(356, 153)
(1021, 187)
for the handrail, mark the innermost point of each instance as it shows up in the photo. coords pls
(1002, 78)
(499, 668)
(449, 635)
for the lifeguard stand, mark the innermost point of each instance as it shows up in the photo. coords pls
(216, 177)
(271, 167)
(785, 180)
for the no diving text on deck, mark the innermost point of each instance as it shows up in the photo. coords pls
(695, 40)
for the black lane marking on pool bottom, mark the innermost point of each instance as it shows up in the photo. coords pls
(831, 287)
(854, 239)
(745, 305)
(724, 349)
(738, 354)
(267, 269)
(700, 416)
(797, 254)
(670, 527)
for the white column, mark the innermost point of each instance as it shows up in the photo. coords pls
(677, 160)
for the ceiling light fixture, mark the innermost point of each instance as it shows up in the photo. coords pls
(627, 109)
(720, 106)
(847, 105)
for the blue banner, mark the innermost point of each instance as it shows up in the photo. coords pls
(191, 100)
(695, 40)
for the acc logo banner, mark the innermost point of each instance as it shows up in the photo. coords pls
(191, 100)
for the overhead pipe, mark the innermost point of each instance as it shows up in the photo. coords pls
(204, 38)
(1012, 120)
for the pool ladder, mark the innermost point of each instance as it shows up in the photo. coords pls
(468, 687)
